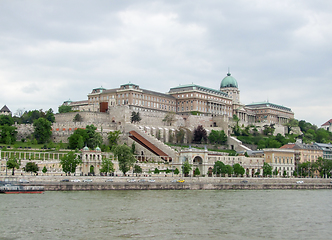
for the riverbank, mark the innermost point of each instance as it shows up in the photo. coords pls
(55, 183)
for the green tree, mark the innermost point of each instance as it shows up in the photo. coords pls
(8, 134)
(135, 117)
(200, 134)
(156, 171)
(238, 169)
(180, 135)
(324, 166)
(76, 138)
(267, 169)
(13, 163)
(269, 129)
(78, 118)
(50, 115)
(95, 139)
(69, 162)
(107, 166)
(31, 167)
(275, 172)
(124, 156)
(176, 171)
(44, 170)
(217, 137)
(169, 118)
(64, 109)
(42, 131)
(133, 148)
(80, 142)
(236, 128)
(89, 136)
(137, 169)
(113, 138)
(229, 170)
(186, 167)
(197, 172)
(291, 124)
(6, 120)
(219, 168)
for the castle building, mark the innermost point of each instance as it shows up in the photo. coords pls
(188, 99)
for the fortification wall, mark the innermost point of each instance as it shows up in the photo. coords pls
(93, 117)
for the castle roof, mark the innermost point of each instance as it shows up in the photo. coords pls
(328, 123)
(228, 81)
(5, 109)
(189, 87)
(267, 104)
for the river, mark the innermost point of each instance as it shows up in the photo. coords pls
(173, 214)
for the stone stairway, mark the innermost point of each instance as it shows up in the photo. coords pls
(163, 148)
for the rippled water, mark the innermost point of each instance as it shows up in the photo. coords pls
(274, 214)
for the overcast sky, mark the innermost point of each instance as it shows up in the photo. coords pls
(279, 51)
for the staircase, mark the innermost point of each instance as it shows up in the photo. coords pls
(149, 142)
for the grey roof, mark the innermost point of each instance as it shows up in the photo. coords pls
(196, 87)
(267, 104)
(5, 109)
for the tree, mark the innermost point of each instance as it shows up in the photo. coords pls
(229, 170)
(267, 169)
(217, 137)
(43, 129)
(64, 109)
(156, 171)
(8, 134)
(186, 167)
(169, 118)
(291, 123)
(236, 128)
(87, 136)
(124, 156)
(44, 170)
(94, 138)
(78, 118)
(268, 129)
(133, 148)
(6, 120)
(13, 163)
(324, 167)
(197, 172)
(69, 162)
(107, 166)
(76, 138)
(137, 169)
(135, 117)
(238, 169)
(31, 167)
(200, 134)
(219, 168)
(180, 135)
(176, 171)
(113, 137)
(50, 115)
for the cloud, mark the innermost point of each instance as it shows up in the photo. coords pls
(280, 51)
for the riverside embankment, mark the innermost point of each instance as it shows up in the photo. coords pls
(54, 183)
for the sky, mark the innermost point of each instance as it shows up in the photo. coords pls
(279, 51)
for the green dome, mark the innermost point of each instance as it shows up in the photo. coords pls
(86, 148)
(228, 81)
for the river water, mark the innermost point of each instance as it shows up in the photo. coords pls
(178, 214)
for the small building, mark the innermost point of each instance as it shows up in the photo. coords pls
(282, 160)
(5, 111)
(327, 150)
(327, 125)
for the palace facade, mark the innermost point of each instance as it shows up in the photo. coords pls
(188, 99)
